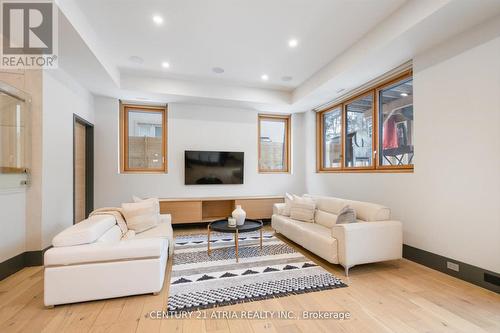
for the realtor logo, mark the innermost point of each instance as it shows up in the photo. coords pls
(29, 34)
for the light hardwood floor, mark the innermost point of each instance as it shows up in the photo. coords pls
(399, 296)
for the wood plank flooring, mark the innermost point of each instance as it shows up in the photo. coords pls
(398, 296)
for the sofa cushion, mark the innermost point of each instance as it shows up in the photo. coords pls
(365, 211)
(133, 249)
(85, 232)
(303, 209)
(325, 219)
(312, 236)
(369, 212)
(141, 216)
(329, 204)
(112, 235)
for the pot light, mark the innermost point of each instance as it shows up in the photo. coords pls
(293, 43)
(136, 60)
(264, 77)
(404, 94)
(218, 70)
(165, 64)
(158, 19)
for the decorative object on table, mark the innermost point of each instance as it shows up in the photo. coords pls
(239, 214)
(231, 222)
(201, 281)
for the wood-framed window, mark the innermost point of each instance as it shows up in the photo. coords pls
(143, 139)
(274, 143)
(369, 132)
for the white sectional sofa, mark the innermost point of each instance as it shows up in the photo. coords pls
(92, 260)
(373, 237)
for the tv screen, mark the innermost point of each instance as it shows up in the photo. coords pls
(213, 167)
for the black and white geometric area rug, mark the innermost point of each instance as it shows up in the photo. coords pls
(201, 281)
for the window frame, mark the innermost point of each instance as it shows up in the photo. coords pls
(376, 167)
(287, 120)
(124, 111)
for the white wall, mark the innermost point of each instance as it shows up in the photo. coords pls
(20, 208)
(62, 97)
(190, 127)
(450, 205)
(12, 222)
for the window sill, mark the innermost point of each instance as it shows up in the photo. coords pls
(274, 172)
(137, 172)
(382, 170)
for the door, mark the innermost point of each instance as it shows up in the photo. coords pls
(83, 194)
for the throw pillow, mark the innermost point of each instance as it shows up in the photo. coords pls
(288, 204)
(141, 216)
(346, 215)
(302, 209)
(154, 200)
(325, 219)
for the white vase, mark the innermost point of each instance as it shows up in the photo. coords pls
(239, 214)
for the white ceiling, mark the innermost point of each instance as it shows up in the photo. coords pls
(342, 45)
(246, 38)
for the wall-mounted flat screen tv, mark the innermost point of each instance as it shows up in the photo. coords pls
(213, 167)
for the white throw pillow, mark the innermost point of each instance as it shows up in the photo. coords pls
(288, 204)
(325, 219)
(302, 209)
(141, 216)
(154, 200)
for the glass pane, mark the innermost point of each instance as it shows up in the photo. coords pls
(13, 134)
(359, 129)
(396, 124)
(145, 139)
(272, 144)
(332, 137)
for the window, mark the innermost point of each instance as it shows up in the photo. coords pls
(359, 132)
(144, 139)
(396, 124)
(332, 133)
(274, 143)
(372, 131)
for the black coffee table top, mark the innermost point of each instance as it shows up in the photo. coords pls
(249, 225)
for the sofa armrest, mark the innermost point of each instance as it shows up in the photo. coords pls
(278, 208)
(365, 242)
(167, 218)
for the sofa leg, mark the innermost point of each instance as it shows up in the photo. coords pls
(346, 269)
(48, 307)
(156, 293)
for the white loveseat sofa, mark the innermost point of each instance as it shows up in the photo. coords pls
(373, 237)
(91, 260)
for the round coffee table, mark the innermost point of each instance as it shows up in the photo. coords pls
(222, 226)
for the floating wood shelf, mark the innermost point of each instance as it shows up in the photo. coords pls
(195, 210)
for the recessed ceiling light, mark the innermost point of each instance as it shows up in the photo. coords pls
(218, 70)
(404, 94)
(158, 19)
(165, 64)
(293, 43)
(136, 60)
(286, 78)
(264, 77)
